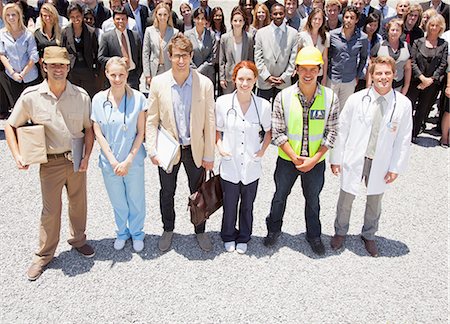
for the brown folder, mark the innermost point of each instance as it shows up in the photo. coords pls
(32, 146)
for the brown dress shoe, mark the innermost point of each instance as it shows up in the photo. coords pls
(337, 242)
(371, 246)
(35, 271)
(86, 250)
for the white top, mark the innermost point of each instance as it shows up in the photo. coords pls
(241, 137)
(237, 51)
(305, 39)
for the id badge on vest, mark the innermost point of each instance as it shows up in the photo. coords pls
(317, 114)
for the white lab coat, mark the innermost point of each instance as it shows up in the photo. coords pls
(392, 149)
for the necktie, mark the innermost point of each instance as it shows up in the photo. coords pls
(278, 35)
(379, 105)
(124, 48)
(382, 12)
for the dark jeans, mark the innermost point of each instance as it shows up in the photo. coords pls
(268, 94)
(231, 194)
(312, 183)
(168, 183)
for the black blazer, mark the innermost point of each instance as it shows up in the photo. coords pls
(90, 46)
(435, 65)
(443, 9)
(144, 13)
(101, 15)
(110, 46)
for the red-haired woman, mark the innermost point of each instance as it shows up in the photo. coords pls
(243, 135)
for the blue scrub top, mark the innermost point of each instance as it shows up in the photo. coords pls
(111, 122)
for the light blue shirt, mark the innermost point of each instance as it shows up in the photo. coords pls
(111, 122)
(19, 52)
(181, 100)
(2, 24)
(194, 4)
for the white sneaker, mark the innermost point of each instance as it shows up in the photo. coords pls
(138, 245)
(230, 246)
(119, 244)
(241, 248)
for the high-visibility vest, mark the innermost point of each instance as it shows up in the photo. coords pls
(317, 118)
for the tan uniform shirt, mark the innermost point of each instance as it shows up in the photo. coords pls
(63, 118)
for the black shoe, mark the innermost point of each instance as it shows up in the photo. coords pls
(271, 238)
(316, 245)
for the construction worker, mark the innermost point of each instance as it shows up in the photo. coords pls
(304, 123)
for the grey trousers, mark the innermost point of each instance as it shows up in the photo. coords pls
(371, 214)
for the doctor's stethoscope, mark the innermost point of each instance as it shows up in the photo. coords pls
(109, 104)
(367, 100)
(261, 132)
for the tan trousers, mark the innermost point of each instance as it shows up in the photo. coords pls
(55, 175)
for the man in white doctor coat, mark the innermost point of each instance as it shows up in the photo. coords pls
(373, 144)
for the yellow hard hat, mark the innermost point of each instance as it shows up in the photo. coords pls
(309, 55)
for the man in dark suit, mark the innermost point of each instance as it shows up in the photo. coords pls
(140, 13)
(305, 8)
(124, 43)
(100, 12)
(364, 11)
(441, 7)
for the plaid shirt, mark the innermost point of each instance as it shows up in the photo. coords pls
(279, 127)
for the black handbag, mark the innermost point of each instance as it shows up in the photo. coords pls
(207, 199)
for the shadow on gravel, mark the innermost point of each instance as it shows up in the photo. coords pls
(386, 247)
(72, 263)
(427, 141)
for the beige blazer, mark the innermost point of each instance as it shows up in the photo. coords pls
(202, 127)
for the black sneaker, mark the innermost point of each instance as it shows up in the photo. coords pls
(316, 245)
(271, 238)
(86, 250)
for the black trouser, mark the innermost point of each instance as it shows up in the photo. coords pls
(14, 89)
(422, 101)
(231, 194)
(85, 78)
(268, 94)
(168, 183)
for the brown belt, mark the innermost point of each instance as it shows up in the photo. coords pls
(66, 155)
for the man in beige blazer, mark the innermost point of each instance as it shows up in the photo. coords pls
(275, 52)
(182, 101)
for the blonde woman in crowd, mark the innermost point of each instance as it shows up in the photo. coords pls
(425, 16)
(118, 114)
(18, 53)
(49, 34)
(155, 55)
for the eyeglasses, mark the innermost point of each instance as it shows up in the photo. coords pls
(184, 56)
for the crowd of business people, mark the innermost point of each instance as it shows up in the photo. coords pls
(306, 61)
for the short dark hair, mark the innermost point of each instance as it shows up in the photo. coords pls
(119, 11)
(199, 11)
(74, 6)
(351, 9)
(277, 5)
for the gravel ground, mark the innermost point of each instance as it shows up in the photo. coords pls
(408, 283)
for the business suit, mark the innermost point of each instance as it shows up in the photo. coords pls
(143, 15)
(101, 14)
(363, 17)
(443, 9)
(273, 61)
(202, 136)
(152, 50)
(227, 59)
(85, 73)
(203, 59)
(110, 46)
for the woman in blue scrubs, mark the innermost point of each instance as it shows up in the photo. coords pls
(118, 114)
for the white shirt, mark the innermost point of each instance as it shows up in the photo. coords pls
(386, 11)
(130, 56)
(237, 51)
(241, 137)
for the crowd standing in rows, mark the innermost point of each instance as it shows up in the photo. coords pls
(323, 74)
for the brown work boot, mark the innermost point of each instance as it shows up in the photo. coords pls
(337, 242)
(371, 246)
(86, 250)
(35, 271)
(204, 242)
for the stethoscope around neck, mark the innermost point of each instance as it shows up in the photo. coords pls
(108, 104)
(366, 102)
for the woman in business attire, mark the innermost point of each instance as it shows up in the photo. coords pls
(411, 29)
(82, 46)
(49, 34)
(217, 23)
(429, 61)
(400, 51)
(118, 114)
(315, 34)
(18, 54)
(155, 55)
(241, 120)
(235, 46)
(204, 44)
(186, 14)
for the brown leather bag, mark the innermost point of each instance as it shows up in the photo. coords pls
(207, 199)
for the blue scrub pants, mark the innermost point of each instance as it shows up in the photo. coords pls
(127, 195)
